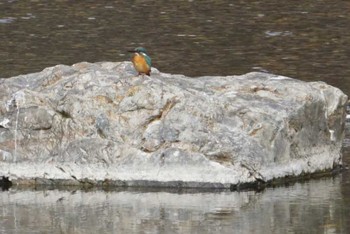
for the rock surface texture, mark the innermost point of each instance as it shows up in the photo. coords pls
(101, 124)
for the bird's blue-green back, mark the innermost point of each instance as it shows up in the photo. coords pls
(148, 60)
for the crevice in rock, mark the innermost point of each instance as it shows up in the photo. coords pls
(160, 116)
(64, 114)
(146, 150)
(42, 128)
(222, 157)
(165, 109)
(254, 173)
(61, 169)
(101, 133)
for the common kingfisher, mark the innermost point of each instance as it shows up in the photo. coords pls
(142, 62)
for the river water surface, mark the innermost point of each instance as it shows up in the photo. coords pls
(308, 40)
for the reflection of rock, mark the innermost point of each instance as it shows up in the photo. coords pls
(97, 123)
(295, 208)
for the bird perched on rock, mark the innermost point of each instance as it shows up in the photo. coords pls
(142, 62)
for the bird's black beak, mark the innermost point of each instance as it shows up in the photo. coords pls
(131, 51)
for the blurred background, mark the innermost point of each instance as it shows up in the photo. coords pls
(308, 40)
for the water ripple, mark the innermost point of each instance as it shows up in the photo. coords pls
(7, 20)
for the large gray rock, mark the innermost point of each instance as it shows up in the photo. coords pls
(100, 123)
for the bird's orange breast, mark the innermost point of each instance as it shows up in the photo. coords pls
(140, 64)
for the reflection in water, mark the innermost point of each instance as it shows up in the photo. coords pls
(309, 40)
(311, 207)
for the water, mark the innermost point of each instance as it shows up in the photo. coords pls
(309, 40)
(318, 206)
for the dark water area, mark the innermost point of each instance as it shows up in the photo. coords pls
(308, 40)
